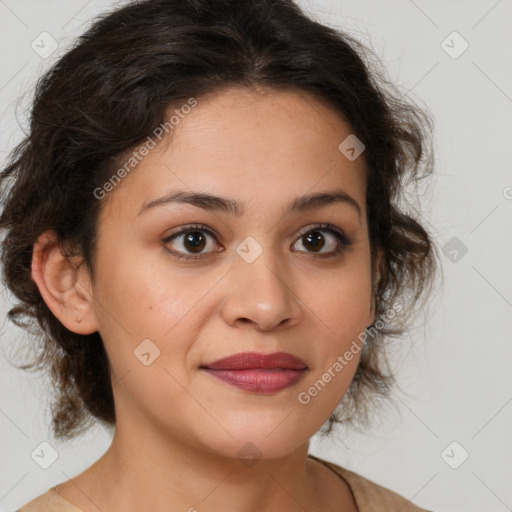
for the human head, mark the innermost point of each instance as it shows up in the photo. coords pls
(106, 97)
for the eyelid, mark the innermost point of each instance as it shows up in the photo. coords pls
(191, 227)
(323, 226)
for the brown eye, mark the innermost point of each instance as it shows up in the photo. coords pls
(324, 235)
(194, 241)
(191, 242)
(314, 240)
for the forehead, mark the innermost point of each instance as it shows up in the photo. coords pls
(249, 145)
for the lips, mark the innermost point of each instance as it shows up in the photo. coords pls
(256, 372)
(252, 360)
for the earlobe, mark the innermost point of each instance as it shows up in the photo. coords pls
(65, 288)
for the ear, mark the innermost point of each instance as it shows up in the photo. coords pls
(376, 273)
(65, 288)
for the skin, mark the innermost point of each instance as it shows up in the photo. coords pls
(178, 429)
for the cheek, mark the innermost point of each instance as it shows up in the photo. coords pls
(341, 301)
(347, 311)
(342, 307)
(143, 323)
(137, 302)
(143, 298)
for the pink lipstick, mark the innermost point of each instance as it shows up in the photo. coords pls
(256, 372)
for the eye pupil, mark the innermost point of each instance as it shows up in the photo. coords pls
(315, 239)
(195, 241)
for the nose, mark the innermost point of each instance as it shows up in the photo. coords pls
(261, 294)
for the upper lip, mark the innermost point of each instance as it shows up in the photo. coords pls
(252, 360)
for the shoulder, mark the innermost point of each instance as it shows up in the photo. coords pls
(369, 496)
(50, 501)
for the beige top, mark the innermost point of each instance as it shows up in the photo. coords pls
(369, 496)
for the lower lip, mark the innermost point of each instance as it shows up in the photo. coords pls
(258, 380)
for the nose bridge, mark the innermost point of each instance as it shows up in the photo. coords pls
(259, 289)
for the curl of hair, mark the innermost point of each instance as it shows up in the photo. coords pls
(110, 91)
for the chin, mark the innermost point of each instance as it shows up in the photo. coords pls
(256, 443)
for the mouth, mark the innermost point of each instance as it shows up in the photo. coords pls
(256, 372)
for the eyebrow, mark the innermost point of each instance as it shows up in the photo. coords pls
(230, 206)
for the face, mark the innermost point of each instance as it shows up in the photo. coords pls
(182, 284)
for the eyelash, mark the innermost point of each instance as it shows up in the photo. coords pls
(344, 240)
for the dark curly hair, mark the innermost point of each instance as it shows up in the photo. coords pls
(111, 90)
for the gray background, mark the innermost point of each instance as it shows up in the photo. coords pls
(456, 375)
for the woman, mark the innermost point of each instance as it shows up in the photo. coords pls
(203, 223)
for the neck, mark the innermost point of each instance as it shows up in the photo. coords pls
(148, 473)
(163, 472)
